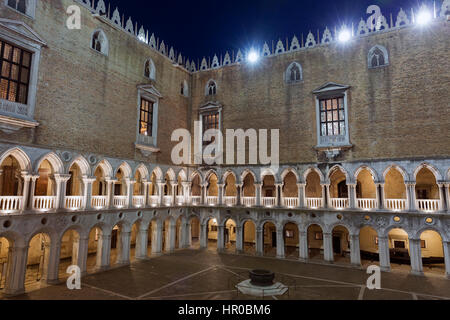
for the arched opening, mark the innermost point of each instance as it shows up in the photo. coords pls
(229, 237)
(120, 189)
(368, 244)
(341, 244)
(394, 191)
(313, 191)
(195, 233)
(249, 237)
(291, 240)
(168, 191)
(270, 239)
(5, 244)
(212, 197)
(399, 249)
(70, 245)
(211, 88)
(179, 191)
(94, 259)
(212, 233)
(168, 245)
(139, 190)
(133, 241)
(99, 189)
(315, 242)
(432, 251)
(290, 190)
(99, 42)
(153, 238)
(11, 185)
(338, 189)
(74, 189)
(37, 261)
(230, 196)
(116, 245)
(366, 191)
(268, 191)
(153, 191)
(45, 189)
(427, 191)
(248, 190)
(196, 190)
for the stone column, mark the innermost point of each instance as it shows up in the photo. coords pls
(80, 254)
(259, 241)
(301, 195)
(87, 192)
(130, 192)
(221, 238)
(221, 194)
(352, 201)
(278, 195)
(355, 251)
(172, 236)
(441, 197)
(380, 195)
(446, 245)
(53, 262)
(184, 235)
(123, 256)
(280, 243)
(157, 238)
(174, 185)
(187, 192)
(383, 250)
(326, 196)
(142, 242)
(16, 270)
(104, 247)
(239, 194)
(61, 184)
(416, 257)
(303, 246)
(328, 254)
(204, 236)
(447, 196)
(30, 204)
(25, 191)
(258, 187)
(239, 240)
(110, 192)
(160, 185)
(411, 195)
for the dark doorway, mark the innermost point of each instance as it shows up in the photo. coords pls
(114, 239)
(342, 189)
(274, 239)
(337, 245)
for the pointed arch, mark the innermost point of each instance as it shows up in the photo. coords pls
(226, 174)
(368, 168)
(21, 157)
(158, 173)
(430, 167)
(99, 42)
(143, 171)
(126, 169)
(399, 169)
(106, 168)
(313, 169)
(287, 171)
(54, 160)
(196, 173)
(182, 174)
(210, 173)
(338, 167)
(268, 172)
(82, 164)
(171, 174)
(294, 73)
(378, 57)
(211, 88)
(149, 69)
(247, 172)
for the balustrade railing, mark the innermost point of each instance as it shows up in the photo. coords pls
(339, 203)
(74, 202)
(44, 202)
(153, 200)
(138, 201)
(314, 203)
(180, 200)
(430, 205)
(395, 204)
(99, 202)
(249, 201)
(168, 200)
(10, 203)
(212, 201)
(195, 200)
(367, 204)
(120, 201)
(269, 201)
(290, 202)
(230, 201)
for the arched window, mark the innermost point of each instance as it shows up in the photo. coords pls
(184, 89)
(294, 73)
(100, 42)
(149, 70)
(378, 57)
(211, 88)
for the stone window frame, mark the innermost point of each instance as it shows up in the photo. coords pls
(30, 8)
(148, 144)
(14, 116)
(287, 75)
(104, 52)
(371, 53)
(152, 69)
(332, 90)
(205, 109)
(207, 87)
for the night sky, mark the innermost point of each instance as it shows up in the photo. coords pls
(204, 27)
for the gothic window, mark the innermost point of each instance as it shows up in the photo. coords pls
(378, 57)
(184, 89)
(100, 42)
(294, 73)
(210, 121)
(211, 88)
(15, 64)
(332, 116)
(19, 5)
(146, 118)
(149, 69)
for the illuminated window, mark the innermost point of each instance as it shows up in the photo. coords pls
(210, 121)
(15, 73)
(332, 116)
(146, 118)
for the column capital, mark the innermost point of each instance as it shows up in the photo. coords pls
(301, 184)
(186, 183)
(61, 177)
(86, 179)
(239, 185)
(410, 183)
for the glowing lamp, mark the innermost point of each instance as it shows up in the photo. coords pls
(253, 56)
(423, 17)
(344, 35)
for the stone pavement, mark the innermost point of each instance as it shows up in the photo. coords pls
(206, 275)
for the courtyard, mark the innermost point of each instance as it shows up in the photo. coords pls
(207, 275)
